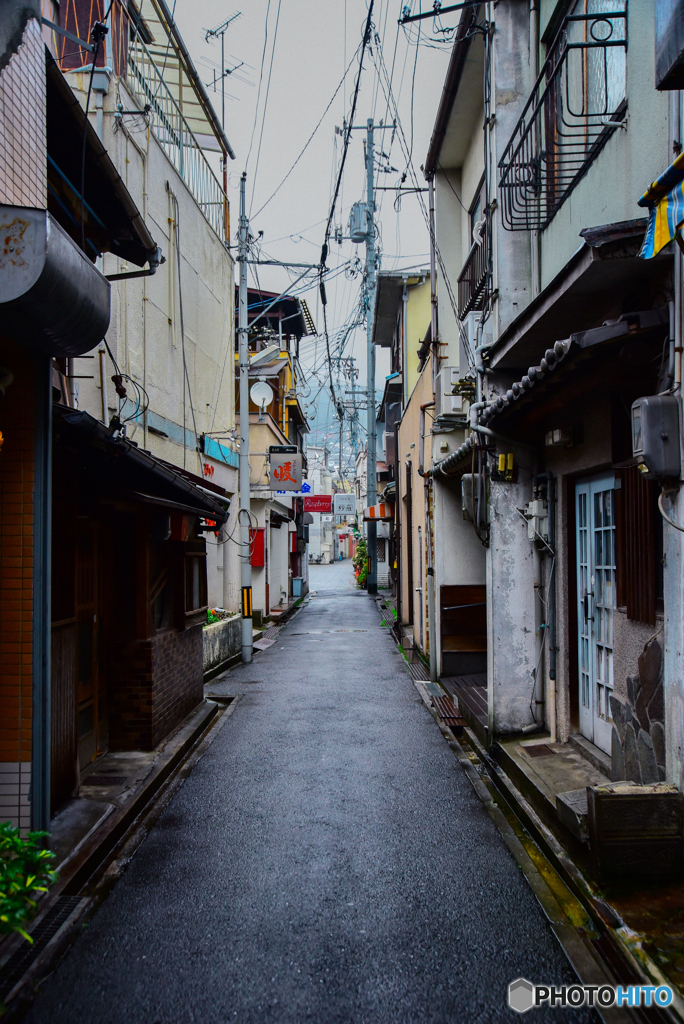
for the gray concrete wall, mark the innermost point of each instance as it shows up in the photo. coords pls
(221, 640)
(511, 85)
(510, 609)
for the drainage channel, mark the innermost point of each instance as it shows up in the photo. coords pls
(584, 938)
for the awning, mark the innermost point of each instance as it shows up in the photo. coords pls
(115, 467)
(665, 202)
(382, 512)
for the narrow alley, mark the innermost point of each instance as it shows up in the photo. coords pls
(327, 860)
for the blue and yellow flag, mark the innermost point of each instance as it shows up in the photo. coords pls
(665, 203)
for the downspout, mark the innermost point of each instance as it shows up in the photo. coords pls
(430, 583)
(551, 602)
(103, 382)
(421, 440)
(404, 342)
(535, 262)
(433, 285)
(427, 480)
(42, 572)
(545, 683)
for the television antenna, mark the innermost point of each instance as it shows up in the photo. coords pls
(213, 33)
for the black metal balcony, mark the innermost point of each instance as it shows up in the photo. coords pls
(577, 103)
(473, 278)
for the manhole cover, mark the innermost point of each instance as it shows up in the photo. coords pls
(104, 780)
(539, 750)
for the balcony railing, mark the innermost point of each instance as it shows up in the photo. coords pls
(577, 103)
(149, 88)
(473, 278)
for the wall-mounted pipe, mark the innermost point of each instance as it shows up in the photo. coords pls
(506, 440)
(433, 284)
(550, 694)
(421, 442)
(430, 582)
(153, 262)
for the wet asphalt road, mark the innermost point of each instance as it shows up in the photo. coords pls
(326, 861)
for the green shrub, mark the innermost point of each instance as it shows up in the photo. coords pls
(24, 872)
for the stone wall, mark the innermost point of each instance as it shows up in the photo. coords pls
(638, 738)
(221, 641)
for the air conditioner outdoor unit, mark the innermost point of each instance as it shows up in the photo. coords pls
(446, 403)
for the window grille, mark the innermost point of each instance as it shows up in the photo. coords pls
(473, 277)
(577, 103)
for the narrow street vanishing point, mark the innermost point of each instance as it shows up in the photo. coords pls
(327, 860)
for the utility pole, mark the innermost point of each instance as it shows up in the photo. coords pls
(244, 514)
(371, 478)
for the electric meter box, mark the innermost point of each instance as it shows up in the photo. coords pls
(655, 436)
(470, 487)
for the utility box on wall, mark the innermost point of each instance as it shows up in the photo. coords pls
(655, 436)
(257, 539)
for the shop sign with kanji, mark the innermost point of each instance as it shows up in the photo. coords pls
(286, 471)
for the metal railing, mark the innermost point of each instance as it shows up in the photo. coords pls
(577, 103)
(473, 278)
(150, 90)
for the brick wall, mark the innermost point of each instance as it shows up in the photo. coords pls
(16, 584)
(158, 682)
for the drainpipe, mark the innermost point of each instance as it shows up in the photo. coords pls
(421, 440)
(534, 72)
(103, 382)
(404, 342)
(678, 318)
(433, 284)
(428, 545)
(549, 690)
(537, 713)
(42, 558)
(430, 584)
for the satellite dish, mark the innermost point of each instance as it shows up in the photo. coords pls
(261, 394)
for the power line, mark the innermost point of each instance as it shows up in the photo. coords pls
(261, 75)
(366, 39)
(307, 143)
(411, 171)
(268, 89)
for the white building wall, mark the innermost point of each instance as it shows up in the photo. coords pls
(145, 333)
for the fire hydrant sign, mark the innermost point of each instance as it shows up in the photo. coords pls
(286, 470)
(318, 503)
(344, 504)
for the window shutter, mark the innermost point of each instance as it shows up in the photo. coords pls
(636, 546)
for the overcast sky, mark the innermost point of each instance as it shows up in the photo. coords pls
(315, 41)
